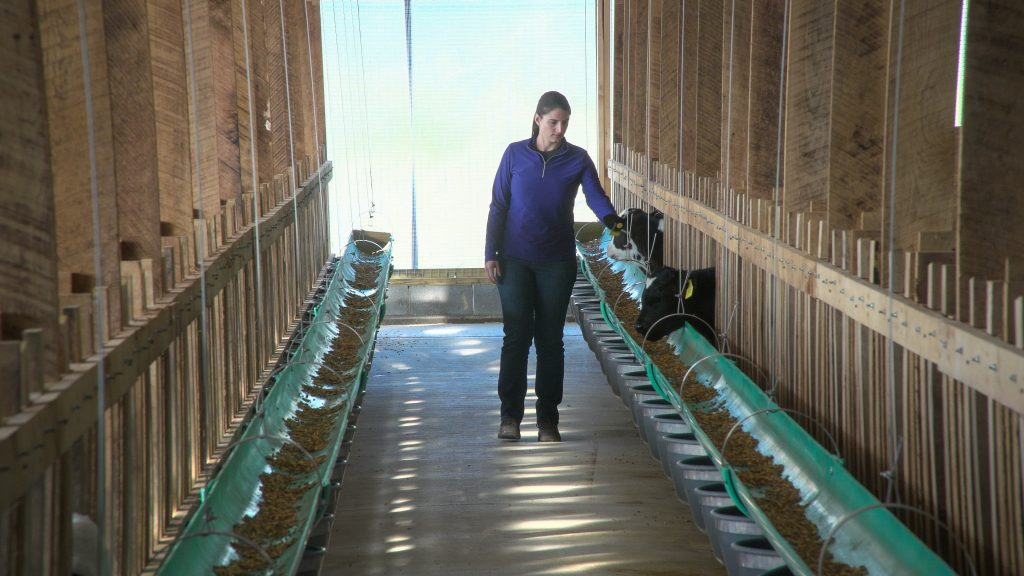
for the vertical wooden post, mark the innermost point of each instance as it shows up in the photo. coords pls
(708, 108)
(28, 251)
(740, 87)
(133, 120)
(69, 146)
(992, 137)
(669, 117)
(925, 179)
(765, 66)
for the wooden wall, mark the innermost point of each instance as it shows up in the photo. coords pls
(880, 283)
(128, 247)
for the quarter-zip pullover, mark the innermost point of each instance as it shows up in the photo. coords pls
(531, 215)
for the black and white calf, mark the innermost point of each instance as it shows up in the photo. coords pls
(670, 291)
(642, 240)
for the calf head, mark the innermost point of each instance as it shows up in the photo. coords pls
(641, 240)
(670, 291)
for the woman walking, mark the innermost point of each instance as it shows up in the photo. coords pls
(530, 254)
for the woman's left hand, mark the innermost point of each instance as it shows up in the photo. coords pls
(493, 269)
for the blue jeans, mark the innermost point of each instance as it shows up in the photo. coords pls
(534, 301)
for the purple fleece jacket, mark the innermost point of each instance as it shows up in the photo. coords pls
(531, 204)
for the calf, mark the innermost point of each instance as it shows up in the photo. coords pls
(669, 291)
(642, 240)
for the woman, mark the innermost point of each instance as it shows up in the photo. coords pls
(530, 254)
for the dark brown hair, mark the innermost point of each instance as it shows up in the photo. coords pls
(549, 101)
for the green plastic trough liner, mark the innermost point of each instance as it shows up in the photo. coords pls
(874, 539)
(234, 492)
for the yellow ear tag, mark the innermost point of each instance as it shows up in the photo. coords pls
(689, 290)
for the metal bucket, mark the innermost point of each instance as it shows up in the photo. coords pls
(664, 423)
(754, 557)
(648, 409)
(626, 380)
(689, 473)
(636, 396)
(614, 360)
(676, 446)
(726, 525)
(709, 497)
(622, 365)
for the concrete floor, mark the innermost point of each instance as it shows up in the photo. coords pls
(431, 490)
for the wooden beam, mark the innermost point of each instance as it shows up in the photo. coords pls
(991, 172)
(28, 253)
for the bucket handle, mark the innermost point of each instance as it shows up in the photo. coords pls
(358, 240)
(619, 297)
(835, 445)
(835, 527)
(643, 344)
(689, 370)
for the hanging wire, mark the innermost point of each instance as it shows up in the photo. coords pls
(291, 152)
(312, 83)
(895, 438)
(684, 258)
(204, 361)
(255, 181)
(357, 166)
(366, 125)
(647, 137)
(352, 212)
(727, 185)
(586, 77)
(776, 224)
(412, 129)
(98, 299)
(330, 120)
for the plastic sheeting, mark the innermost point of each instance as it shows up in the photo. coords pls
(874, 539)
(206, 541)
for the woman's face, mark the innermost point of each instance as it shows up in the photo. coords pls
(552, 128)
